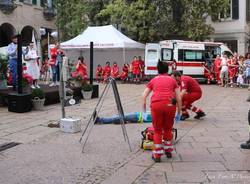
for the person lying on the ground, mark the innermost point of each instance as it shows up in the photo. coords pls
(134, 117)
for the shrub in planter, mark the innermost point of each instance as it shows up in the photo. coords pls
(38, 98)
(87, 87)
(87, 90)
(3, 71)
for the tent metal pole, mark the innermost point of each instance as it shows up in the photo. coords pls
(124, 59)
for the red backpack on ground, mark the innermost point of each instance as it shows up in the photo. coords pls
(148, 137)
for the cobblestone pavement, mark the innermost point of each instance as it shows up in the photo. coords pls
(207, 151)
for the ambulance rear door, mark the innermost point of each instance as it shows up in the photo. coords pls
(167, 54)
(152, 55)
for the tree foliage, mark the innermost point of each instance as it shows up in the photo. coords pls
(142, 20)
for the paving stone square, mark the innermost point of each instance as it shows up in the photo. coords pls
(206, 151)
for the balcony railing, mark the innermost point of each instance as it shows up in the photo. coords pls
(7, 6)
(49, 13)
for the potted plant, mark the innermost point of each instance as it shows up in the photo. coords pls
(26, 83)
(3, 71)
(77, 81)
(38, 98)
(87, 90)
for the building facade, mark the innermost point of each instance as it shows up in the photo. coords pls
(26, 17)
(233, 26)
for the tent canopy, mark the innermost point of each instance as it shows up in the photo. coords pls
(102, 37)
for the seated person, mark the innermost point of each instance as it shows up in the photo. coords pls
(115, 71)
(106, 71)
(99, 73)
(81, 69)
(124, 74)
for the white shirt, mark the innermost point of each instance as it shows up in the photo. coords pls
(224, 66)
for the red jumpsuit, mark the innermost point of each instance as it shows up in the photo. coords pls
(53, 54)
(81, 69)
(142, 66)
(106, 72)
(124, 74)
(217, 63)
(207, 74)
(193, 93)
(232, 68)
(136, 67)
(99, 73)
(115, 71)
(163, 111)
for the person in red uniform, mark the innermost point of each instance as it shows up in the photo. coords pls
(136, 69)
(124, 74)
(115, 71)
(208, 73)
(81, 69)
(217, 68)
(54, 66)
(163, 108)
(106, 71)
(190, 92)
(232, 68)
(142, 66)
(99, 73)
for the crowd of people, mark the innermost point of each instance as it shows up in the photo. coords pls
(31, 67)
(131, 72)
(226, 71)
(229, 71)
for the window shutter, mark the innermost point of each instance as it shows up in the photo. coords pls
(247, 10)
(235, 8)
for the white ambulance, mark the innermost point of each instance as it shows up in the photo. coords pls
(186, 56)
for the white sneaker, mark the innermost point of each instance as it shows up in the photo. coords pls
(52, 84)
(37, 86)
(32, 86)
(57, 83)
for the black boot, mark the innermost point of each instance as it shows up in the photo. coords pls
(184, 116)
(245, 145)
(199, 115)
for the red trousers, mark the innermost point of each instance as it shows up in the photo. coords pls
(189, 98)
(163, 114)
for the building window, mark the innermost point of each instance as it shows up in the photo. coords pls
(226, 12)
(248, 10)
(230, 12)
(34, 2)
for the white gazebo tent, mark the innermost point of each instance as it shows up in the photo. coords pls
(109, 45)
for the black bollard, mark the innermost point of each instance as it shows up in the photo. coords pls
(91, 63)
(19, 65)
(19, 102)
(246, 145)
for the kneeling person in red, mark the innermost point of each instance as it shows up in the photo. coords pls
(163, 107)
(190, 92)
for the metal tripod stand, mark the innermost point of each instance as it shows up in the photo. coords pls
(93, 117)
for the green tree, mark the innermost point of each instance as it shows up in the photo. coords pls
(73, 16)
(142, 20)
(195, 14)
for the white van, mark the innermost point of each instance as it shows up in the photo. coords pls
(186, 56)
